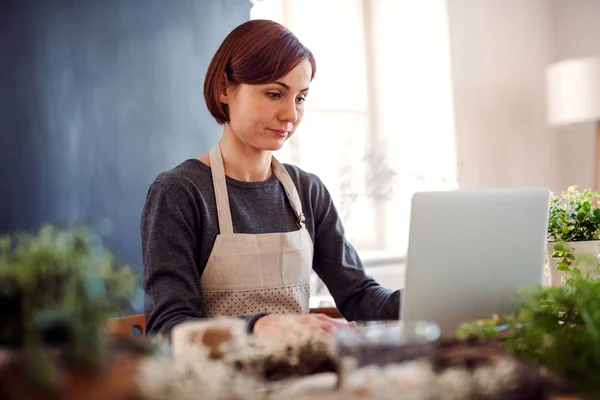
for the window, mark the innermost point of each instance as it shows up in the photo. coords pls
(378, 123)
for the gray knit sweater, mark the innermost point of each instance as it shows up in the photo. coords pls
(179, 225)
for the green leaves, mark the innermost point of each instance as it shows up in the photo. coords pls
(564, 253)
(559, 328)
(60, 276)
(574, 216)
(562, 267)
(563, 247)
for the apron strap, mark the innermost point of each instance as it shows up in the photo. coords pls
(221, 196)
(290, 189)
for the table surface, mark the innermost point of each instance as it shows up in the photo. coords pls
(117, 382)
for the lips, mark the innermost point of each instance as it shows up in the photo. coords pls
(279, 132)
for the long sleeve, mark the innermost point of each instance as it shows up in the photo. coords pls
(357, 296)
(169, 227)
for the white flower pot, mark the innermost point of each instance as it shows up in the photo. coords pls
(591, 248)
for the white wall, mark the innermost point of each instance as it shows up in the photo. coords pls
(499, 52)
(576, 33)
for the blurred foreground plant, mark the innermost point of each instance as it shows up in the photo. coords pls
(554, 327)
(59, 286)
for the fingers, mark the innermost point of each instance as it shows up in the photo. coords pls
(336, 322)
(312, 329)
(292, 328)
(325, 325)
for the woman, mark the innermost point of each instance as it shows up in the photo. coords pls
(236, 233)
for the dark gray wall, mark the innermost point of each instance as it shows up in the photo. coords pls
(96, 98)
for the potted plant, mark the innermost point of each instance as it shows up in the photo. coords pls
(573, 234)
(58, 288)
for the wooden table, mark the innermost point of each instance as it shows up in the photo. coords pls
(329, 311)
(116, 382)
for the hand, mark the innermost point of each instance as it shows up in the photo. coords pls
(294, 328)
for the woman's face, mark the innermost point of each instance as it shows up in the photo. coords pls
(265, 116)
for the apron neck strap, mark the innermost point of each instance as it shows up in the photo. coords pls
(290, 189)
(222, 198)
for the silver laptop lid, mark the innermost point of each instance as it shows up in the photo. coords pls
(470, 251)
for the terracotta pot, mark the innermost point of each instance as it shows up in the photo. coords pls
(589, 248)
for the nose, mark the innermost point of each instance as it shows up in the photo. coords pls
(288, 112)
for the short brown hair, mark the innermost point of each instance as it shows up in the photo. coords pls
(256, 52)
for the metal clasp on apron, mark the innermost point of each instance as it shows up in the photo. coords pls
(300, 221)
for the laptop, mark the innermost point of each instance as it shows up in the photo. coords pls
(470, 251)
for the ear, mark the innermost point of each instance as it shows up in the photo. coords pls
(224, 89)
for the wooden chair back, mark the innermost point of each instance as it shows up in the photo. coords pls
(131, 325)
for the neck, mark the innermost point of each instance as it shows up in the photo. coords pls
(243, 162)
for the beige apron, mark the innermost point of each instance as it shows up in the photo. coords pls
(251, 273)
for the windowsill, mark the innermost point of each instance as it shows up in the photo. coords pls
(387, 268)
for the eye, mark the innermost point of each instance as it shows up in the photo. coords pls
(274, 95)
(300, 100)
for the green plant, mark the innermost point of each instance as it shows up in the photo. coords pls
(60, 285)
(559, 328)
(554, 327)
(573, 217)
(564, 253)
